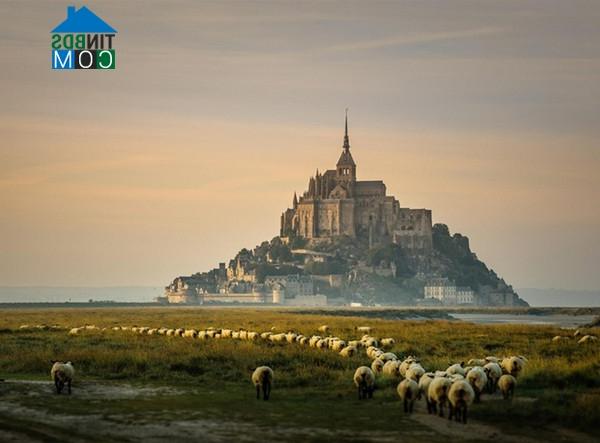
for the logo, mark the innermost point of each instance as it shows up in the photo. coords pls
(83, 41)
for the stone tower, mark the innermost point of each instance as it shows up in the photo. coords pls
(345, 167)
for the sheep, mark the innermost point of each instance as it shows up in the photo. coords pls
(291, 337)
(492, 359)
(370, 342)
(371, 352)
(457, 368)
(406, 363)
(387, 342)
(190, 333)
(338, 345)
(477, 362)
(348, 351)
(478, 380)
(226, 333)
(408, 390)
(507, 384)
(387, 356)
(377, 366)
(512, 365)
(321, 344)
(75, 331)
(277, 338)
(437, 393)
(392, 368)
(460, 396)
(365, 329)
(62, 373)
(441, 374)
(152, 331)
(324, 329)
(587, 339)
(364, 380)
(577, 333)
(356, 343)
(558, 338)
(304, 341)
(170, 332)
(264, 335)
(313, 340)
(243, 334)
(262, 377)
(424, 383)
(415, 372)
(493, 371)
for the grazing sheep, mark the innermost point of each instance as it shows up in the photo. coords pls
(507, 384)
(170, 332)
(415, 372)
(364, 380)
(370, 341)
(338, 345)
(324, 329)
(377, 366)
(438, 394)
(577, 333)
(348, 351)
(62, 373)
(460, 396)
(392, 368)
(406, 363)
(313, 340)
(493, 371)
(441, 374)
(290, 337)
(424, 383)
(179, 332)
(387, 342)
(365, 329)
(304, 341)
(355, 343)
(587, 339)
(477, 362)
(264, 335)
(408, 390)
(277, 338)
(558, 338)
(388, 356)
(371, 352)
(492, 359)
(262, 377)
(252, 336)
(190, 333)
(457, 368)
(75, 331)
(226, 333)
(478, 380)
(321, 344)
(512, 365)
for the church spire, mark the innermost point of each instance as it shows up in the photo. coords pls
(346, 138)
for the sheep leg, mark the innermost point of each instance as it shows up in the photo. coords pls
(464, 415)
(433, 408)
(370, 391)
(477, 396)
(57, 385)
(442, 410)
(451, 412)
(405, 406)
(266, 390)
(411, 405)
(69, 386)
(360, 392)
(257, 392)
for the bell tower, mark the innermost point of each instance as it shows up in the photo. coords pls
(346, 168)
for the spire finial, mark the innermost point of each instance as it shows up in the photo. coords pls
(346, 138)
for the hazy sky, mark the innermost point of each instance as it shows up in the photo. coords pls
(486, 112)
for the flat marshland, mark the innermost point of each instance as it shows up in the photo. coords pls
(133, 387)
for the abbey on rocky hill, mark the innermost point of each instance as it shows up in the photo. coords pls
(337, 204)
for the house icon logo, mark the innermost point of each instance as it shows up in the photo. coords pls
(83, 41)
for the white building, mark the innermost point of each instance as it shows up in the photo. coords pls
(446, 292)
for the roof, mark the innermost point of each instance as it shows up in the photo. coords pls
(346, 159)
(83, 20)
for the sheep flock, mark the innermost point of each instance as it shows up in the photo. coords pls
(453, 388)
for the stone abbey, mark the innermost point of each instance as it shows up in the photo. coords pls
(337, 204)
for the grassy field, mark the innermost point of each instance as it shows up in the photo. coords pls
(132, 387)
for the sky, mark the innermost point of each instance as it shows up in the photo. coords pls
(485, 112)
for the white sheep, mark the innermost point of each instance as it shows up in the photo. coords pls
(478, 380)
(324, 329)
(364, 380)
(75, 331)
(507, 384)
(291, 337)
(62, 373)
(406, 363)
(348, 351)
(264, 335)
(492, 359)
(457, 368)
(477, 362)
(587, 339)
(338, 345)
(513, 365)
(304, 341)
(313, 340)
(415, 372)
(408, 390)
(190, 333)
(377, 366)
(392, 368)
(387, 356)
(387, 342)
(460, 396)
(558, 338)
(493, 371)
(365, 329)
(438, 394)
(424, 383)
(370, 342)
(262, 377)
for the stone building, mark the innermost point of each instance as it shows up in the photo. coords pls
(337, 204)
